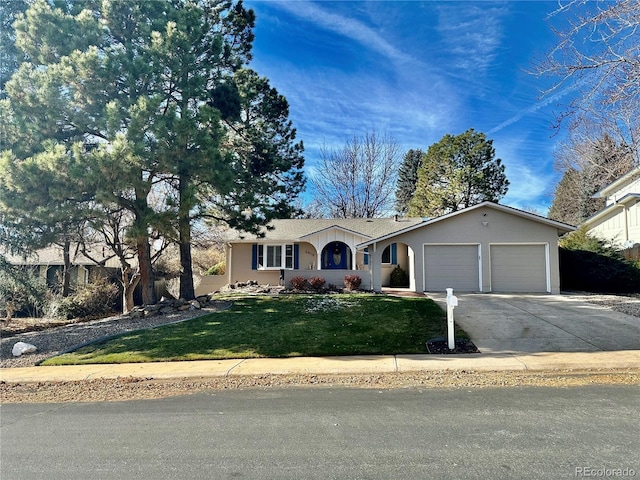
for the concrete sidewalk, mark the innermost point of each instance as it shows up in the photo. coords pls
(330, 365)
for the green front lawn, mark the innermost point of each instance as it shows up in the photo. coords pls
(284, 326)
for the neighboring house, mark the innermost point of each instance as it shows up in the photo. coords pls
(50, 264)
(484, 248)
(619, 221)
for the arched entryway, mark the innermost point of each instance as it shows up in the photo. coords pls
(396, 266)
(336, 256)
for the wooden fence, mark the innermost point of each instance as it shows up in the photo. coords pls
(632, 253)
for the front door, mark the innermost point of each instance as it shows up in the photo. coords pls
(335, 256)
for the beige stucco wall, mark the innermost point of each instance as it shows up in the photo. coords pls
(331, 277)
(403, 261)
(239, 258)
(206, 284)
(239, 267)
(468, 228)
(307, 256)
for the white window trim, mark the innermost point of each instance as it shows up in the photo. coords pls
(262, 249)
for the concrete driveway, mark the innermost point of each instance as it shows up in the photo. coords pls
(499, 323)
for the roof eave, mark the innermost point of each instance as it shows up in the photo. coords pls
(337, 227)
(609, 208)
(562, 227)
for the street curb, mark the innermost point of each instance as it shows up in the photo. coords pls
(352, 365)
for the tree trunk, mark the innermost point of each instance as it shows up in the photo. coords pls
(130, 281)
(66, 274)
(187, 290)
(146, 272)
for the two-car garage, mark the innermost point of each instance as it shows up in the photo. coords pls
(511, 267)
(484, 248)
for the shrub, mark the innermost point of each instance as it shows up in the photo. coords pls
(298, 283)
(399, 278)
(218, 269)
(91, 300)
(581, 239)
(317, 282)
(22, 292)
(590, 264)
(594, 272)
(352, 282)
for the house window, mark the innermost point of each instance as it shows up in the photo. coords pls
(275, 256)
(390, 255)
(288, 258)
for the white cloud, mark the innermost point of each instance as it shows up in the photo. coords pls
(532, 109)
(345, 26)
(330, 106)
(472, 35)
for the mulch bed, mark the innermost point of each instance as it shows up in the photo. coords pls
(439, 346)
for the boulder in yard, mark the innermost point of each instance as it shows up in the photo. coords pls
(22, 348)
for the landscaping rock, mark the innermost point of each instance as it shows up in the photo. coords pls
(22, 348)
(169, 306)
(252, 288)
(136, 313)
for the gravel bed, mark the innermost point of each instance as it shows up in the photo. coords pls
(629, 304)
(52, 341)
(124, 389)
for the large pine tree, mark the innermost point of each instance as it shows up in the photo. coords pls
(407, 179)
(457, 172)
(145, 93)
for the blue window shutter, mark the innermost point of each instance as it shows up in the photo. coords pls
(394, 253)
(296, 256)
(254, 257)
(366, 256)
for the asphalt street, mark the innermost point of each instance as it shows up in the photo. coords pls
(328, 433)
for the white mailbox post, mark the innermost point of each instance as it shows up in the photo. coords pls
(452, 302)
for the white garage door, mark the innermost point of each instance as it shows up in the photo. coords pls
(518, 268)
(451, 266)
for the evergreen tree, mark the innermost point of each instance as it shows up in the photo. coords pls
(407, 179)
(458, 172)
(10, 55)
(563, 208)
(146, 95)
(266, 161)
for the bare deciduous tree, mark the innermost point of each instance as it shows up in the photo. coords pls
(598, 58)
(588, 164)
(358, 180)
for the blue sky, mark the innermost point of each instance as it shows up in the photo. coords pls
(417, 71)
